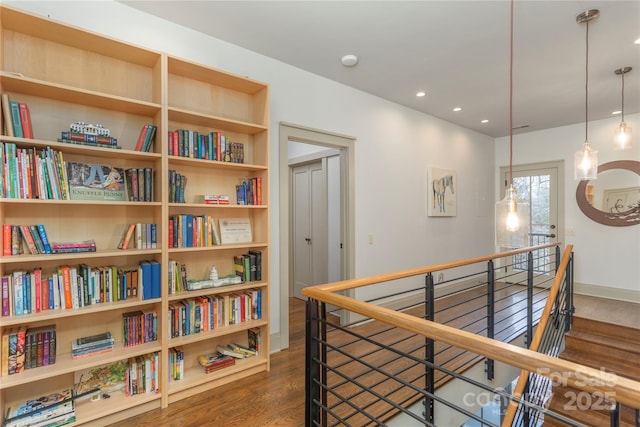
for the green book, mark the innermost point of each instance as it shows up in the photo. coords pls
(15, 118)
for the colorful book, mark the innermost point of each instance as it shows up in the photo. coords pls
(25, 117)
(15, 118)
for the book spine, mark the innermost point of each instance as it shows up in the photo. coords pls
(44, 238)
(15, 117)
(25, 117)
(6, 239)
(6, 111)
(6, 311)
(141, 138)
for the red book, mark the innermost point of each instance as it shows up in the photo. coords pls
(25, 117)
(37, 274)
(66, 281)
(141, 137)
(6, 240)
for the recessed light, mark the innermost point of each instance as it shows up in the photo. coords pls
(421, 94)
(613, 113)
(637, 41)
(349, 60)
(484, 121)
(456, 109)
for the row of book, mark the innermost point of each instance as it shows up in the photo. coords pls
(28, 173)
(16, 118)
(249, 192)
(92, 345)
(139, 236)
(249, 266)
(70, 287)
(139, 184)
(146, 137)
(139, 327)
(177, 186)
(189, 231)
(25, 348)
(34, 237)
(206, 313)
(211, 146)
(53, 409)
(142, 375)
(176, 363)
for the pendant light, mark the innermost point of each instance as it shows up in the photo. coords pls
(622, 134)
(512, 214)
(585, 164)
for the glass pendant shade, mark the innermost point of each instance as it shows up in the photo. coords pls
(622, 137)
(585, 164)
(512, 221)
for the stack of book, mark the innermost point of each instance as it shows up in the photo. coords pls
(73, 247)
(54, 409)
(215, 361)
(92, 345)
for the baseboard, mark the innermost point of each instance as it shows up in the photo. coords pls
(607, 292)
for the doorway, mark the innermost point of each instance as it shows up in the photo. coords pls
(542, 186)
(343, 148)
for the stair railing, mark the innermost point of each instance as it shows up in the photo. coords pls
(548, 339)
(327, 379)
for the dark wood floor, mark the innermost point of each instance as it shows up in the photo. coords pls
(274, 398)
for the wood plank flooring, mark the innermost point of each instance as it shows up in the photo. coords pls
(276, 398)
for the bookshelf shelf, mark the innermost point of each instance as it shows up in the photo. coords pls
(28, 86)
(65, 364)
(194, 376)
(124, 87)
(217, 290)
(49, 315)
(219, 332)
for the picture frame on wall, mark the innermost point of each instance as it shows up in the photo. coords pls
(441, 194)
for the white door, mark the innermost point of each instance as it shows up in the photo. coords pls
(539, 185)
(309, 226)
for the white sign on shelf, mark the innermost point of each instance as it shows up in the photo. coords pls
(235, 230)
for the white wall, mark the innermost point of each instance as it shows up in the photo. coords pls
(393, 149)
(606, 258)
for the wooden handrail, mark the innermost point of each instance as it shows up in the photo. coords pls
(626, 391)
(386, 277)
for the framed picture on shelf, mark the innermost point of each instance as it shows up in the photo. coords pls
(441, 195)
(235, 230)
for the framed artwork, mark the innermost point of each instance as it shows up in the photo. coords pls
(441, 194)
(621, 200)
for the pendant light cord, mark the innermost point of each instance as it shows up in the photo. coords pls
(511, 100)
(622, 111)
(586, 88)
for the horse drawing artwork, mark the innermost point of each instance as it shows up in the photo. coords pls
(440, 186)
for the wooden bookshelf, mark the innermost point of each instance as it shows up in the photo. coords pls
(67, 74)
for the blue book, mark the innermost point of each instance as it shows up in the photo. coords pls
(145, 271)
(155, 279)
(15, 118)
(44, 238)
(188, 228)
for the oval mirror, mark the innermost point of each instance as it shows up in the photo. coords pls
(614, 198)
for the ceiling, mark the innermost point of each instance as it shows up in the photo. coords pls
(456, 51)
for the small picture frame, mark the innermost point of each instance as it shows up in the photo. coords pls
(441, 194)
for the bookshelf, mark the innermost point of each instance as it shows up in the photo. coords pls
(67, 74)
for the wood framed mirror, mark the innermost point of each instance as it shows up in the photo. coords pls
(618, 205)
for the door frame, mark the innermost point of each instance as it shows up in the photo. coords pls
(558, 165)
(346, 145)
